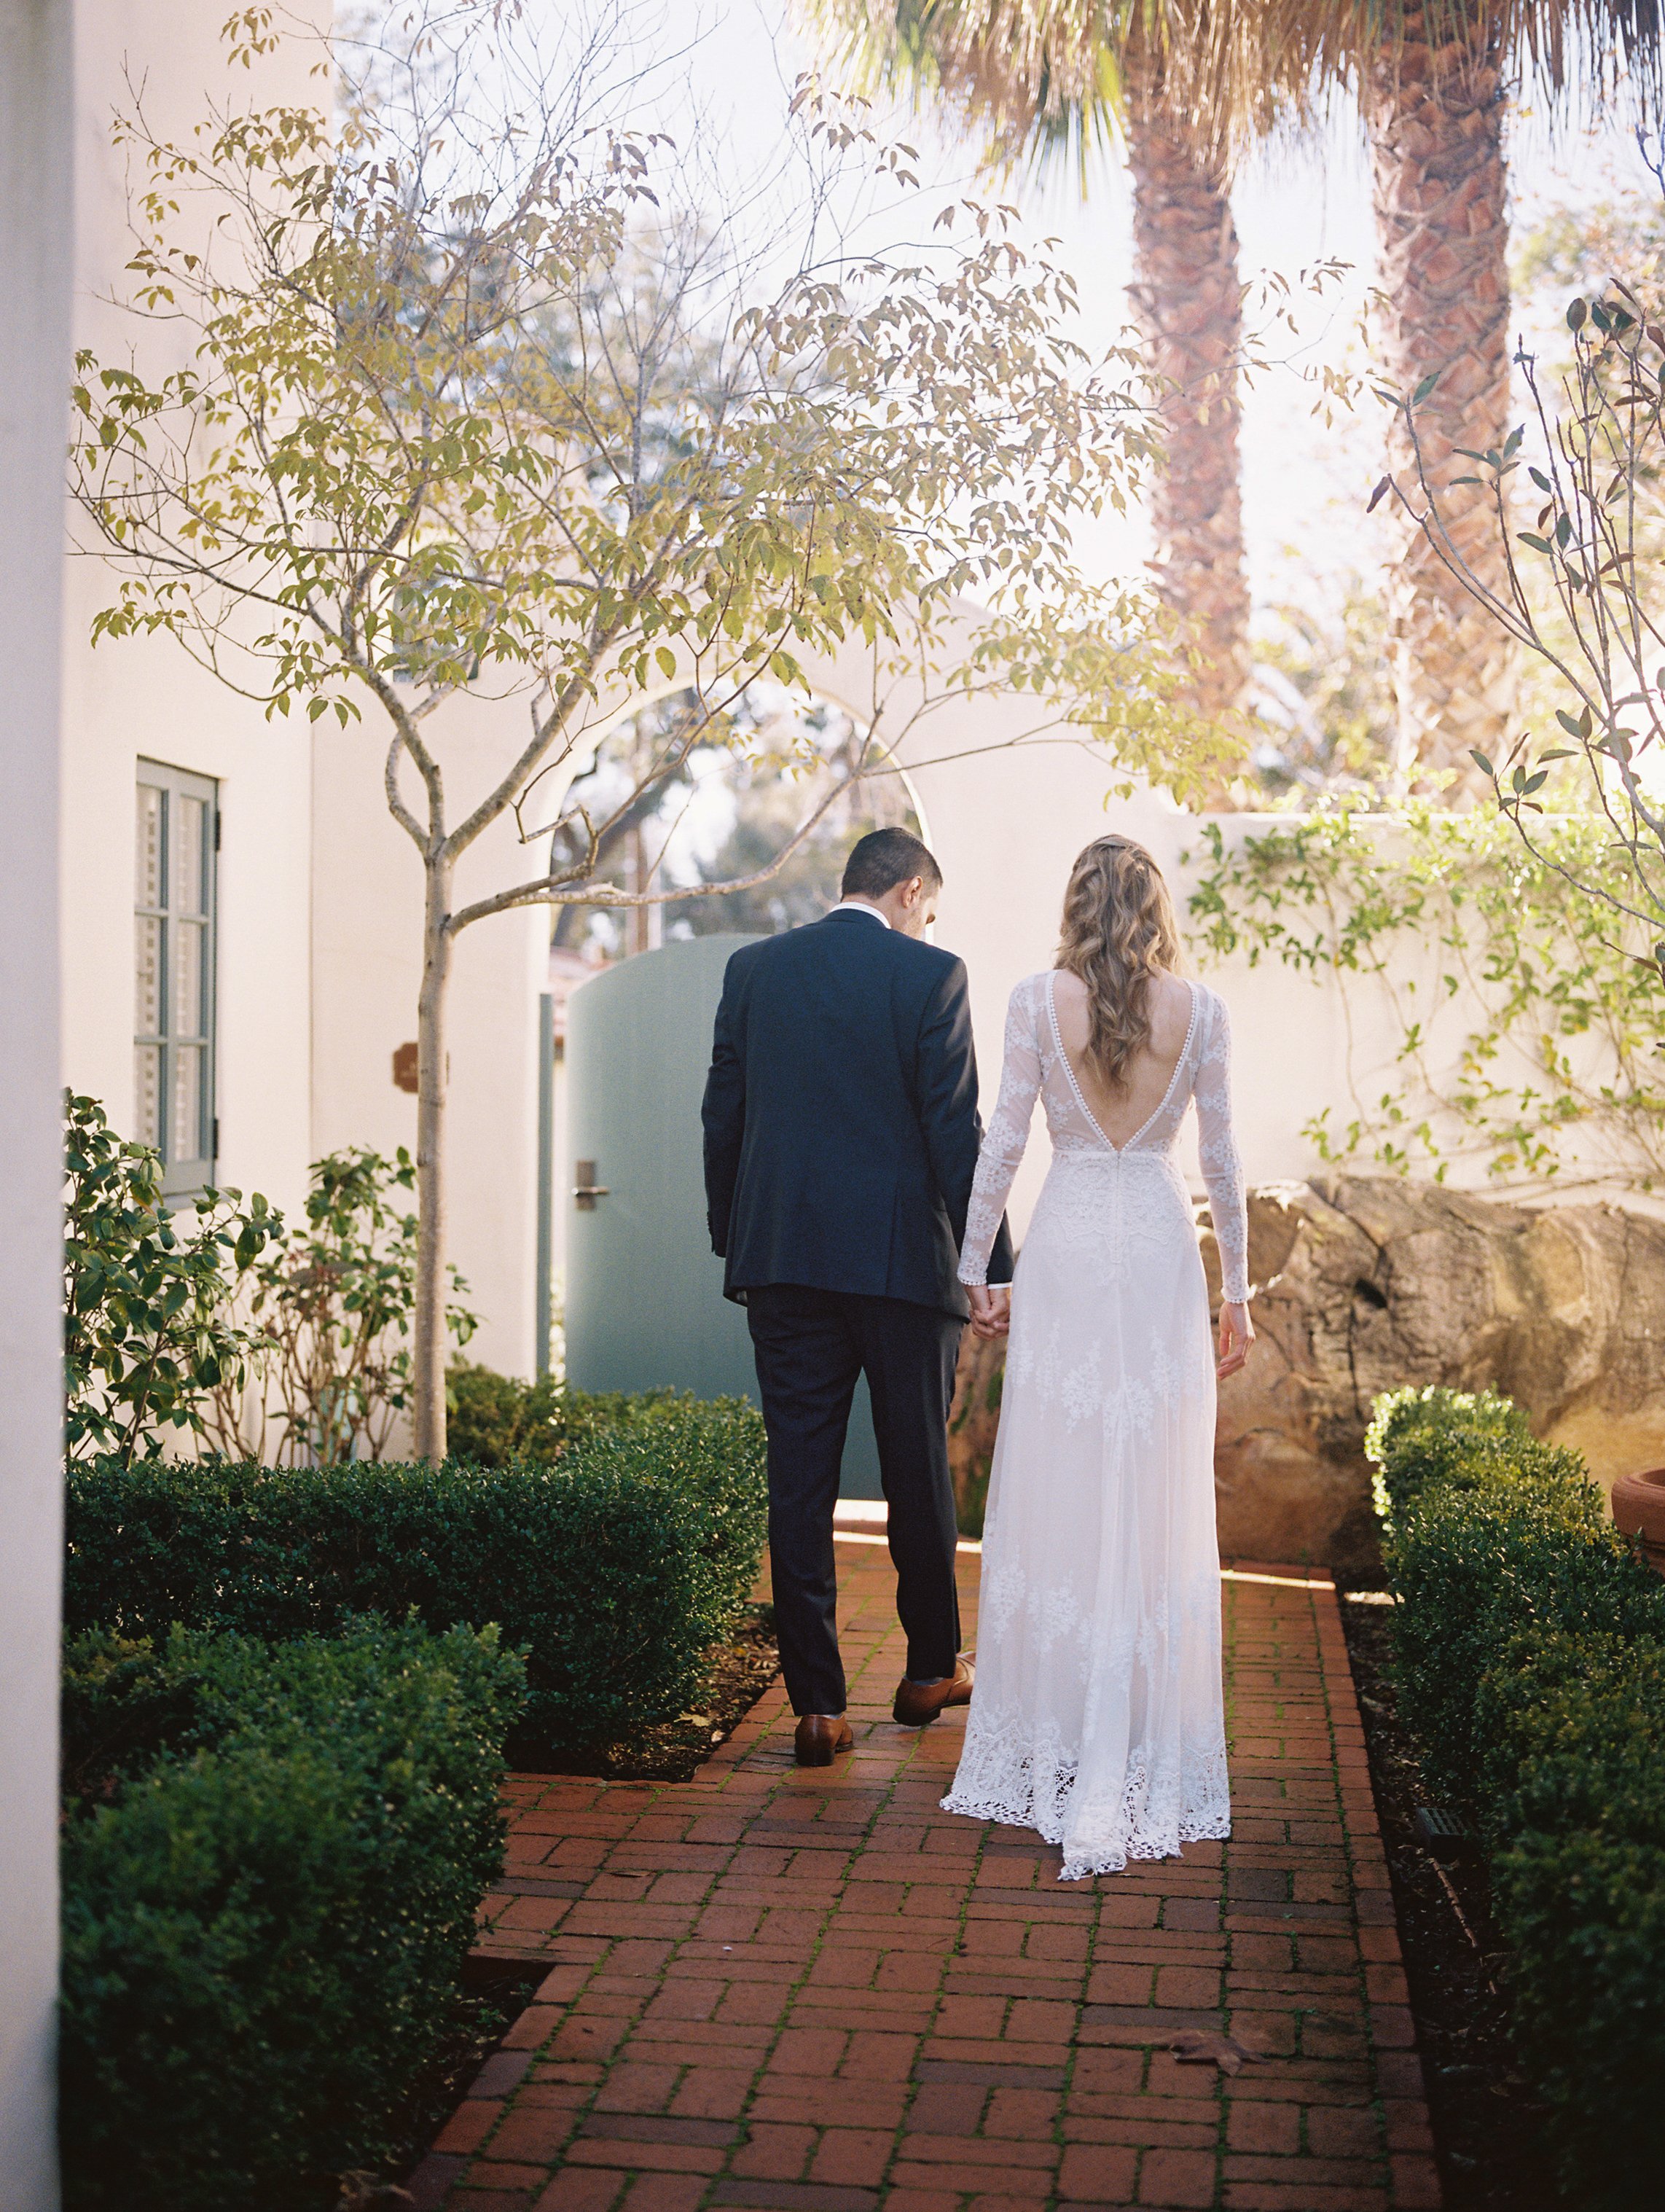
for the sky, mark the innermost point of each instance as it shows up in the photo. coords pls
(730, 67)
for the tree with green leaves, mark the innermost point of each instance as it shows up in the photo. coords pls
(475, 400)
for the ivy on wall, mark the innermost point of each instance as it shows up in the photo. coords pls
(1530, 1033)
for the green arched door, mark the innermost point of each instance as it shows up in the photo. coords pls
(645, 1303)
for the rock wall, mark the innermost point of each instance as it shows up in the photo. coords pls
(1365, 1283)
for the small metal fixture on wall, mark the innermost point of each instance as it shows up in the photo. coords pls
(586, 1189)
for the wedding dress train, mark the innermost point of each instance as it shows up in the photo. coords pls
(1097, 1716)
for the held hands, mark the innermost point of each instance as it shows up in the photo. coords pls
(1237, 1335)
(991, 1316)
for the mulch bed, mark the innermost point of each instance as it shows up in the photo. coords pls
(739, 1672)
(494, 1994)
(1488, 2126)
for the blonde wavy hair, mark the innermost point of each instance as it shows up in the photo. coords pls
(1118, 931)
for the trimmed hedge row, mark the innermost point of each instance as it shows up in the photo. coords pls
(498, 1421)
(271, 1861)
(1529, 1646)
(615, 1568)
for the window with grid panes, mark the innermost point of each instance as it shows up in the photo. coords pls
(178, 819)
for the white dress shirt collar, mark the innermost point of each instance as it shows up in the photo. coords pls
(859, 906)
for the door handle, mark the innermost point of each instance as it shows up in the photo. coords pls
(586, 1189)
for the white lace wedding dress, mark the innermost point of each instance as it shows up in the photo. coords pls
(1098, 1713)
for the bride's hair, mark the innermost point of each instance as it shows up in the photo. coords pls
(1119, 931)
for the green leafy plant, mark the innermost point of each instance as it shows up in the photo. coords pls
(271, 1862)
(615, 1570)
(148, 1336)
(327, 1313)
(1417, 1437)
(1529, 1655)
(1571, 1733)
(1528, 1028)
(497, 1420)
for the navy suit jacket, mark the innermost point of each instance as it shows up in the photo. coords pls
(841, 1116)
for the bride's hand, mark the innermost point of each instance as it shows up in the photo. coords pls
(1237, 1335)
(991, 1310)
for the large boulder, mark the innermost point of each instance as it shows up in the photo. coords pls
(1365, 1283)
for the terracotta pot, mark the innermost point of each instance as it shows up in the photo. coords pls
(1638, 1510)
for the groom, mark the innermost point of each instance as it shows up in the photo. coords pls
(841, 1140)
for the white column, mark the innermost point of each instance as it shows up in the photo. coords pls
(36, 130)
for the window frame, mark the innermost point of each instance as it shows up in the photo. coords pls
(183, 1178)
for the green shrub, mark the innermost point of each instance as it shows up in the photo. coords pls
(149, 1333)
(1529, 1650)
(1417, 1436)
(1477, 1558)
(615, 1569)
(495, 1420)
(271, 1862)
(1485, 1531)
(1574, 1777)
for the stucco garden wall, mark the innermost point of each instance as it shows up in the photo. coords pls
(145, 699)
(367, 966)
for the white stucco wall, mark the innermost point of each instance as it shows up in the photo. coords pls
(368, 906)
(145, 699)
(35, 135)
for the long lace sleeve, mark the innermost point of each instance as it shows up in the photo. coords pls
(1006, 1137)
(1222, 1169)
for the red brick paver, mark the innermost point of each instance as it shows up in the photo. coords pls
(813, 1991)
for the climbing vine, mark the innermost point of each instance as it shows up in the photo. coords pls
(1527, 1027)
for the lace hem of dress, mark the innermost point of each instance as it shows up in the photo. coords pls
(1036, 1790)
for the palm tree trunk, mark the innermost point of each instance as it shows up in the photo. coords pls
(1436, 114)
(1188, 297)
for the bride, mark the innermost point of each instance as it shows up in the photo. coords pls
(1098, 1714)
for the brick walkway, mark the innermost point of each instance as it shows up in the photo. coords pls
(803, 1992)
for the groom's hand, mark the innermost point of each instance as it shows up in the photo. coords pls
(991, 1310)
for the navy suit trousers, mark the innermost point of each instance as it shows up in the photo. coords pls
(811, 1345)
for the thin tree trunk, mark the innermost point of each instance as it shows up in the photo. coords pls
(1188, 297)
(1436, 114)
(429, 1324)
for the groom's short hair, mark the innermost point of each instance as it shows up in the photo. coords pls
(883, 859)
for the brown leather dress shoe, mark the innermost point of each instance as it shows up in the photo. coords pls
(821, 1737)
(918, 1704)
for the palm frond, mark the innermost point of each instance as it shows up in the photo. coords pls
(1043, 78)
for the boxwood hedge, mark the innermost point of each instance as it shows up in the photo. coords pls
(1529, 1646)
(272, 1860)
(614, 1568)
(497, 1421)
